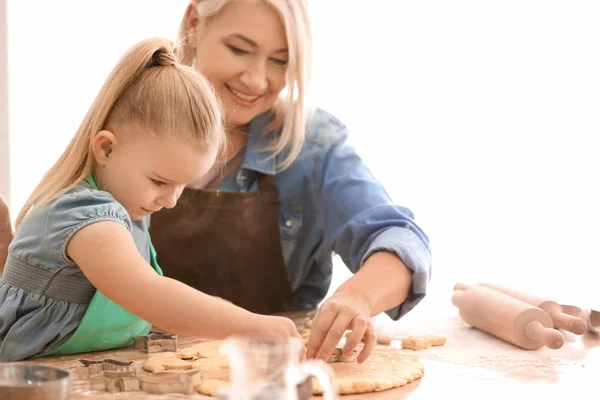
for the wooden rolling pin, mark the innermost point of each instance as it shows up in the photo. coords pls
(507, 318)
(560, 319)
(590, 317)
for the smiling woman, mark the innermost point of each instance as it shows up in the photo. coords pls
(245, 53)
(260, 228)
(251, 76)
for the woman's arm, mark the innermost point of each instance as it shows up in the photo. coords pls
(362, 296)
(106, 253)
(377, 239)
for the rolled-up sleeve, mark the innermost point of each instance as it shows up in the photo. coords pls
(414, 254)
(359, 218)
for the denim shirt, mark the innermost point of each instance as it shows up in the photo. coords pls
(329, 202)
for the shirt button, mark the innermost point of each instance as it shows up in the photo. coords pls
(289, 223)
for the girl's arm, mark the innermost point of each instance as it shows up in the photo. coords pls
(107, 255)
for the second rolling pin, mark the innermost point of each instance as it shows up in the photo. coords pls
(507, 318)
(560, 319)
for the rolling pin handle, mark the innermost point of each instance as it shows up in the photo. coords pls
(548, 336)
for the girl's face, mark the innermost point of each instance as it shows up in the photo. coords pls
(242, 51)
(146, 172)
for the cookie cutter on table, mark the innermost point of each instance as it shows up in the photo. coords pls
(115, 382)
(338, 356)
(166, 382)
(88, 368)
(156, 342)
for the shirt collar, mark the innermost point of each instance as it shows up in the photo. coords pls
(256, 158)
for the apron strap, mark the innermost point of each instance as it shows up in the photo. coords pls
(267, 188)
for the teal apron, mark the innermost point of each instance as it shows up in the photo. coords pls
(105, 324)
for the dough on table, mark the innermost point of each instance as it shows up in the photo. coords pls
(201, 350)
(220, 361)
(386, 368)
(410, 342)
(436, 340)
(415, 343)
(210, 387)
(188, 358)
(216, 373)
(422, 342)
(166, 361)
(381, 338)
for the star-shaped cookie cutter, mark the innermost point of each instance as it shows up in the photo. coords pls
(87, 368)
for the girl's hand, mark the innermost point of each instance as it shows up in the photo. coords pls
(276, 326)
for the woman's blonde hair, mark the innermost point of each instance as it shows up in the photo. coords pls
(148, 89)
(290, 112)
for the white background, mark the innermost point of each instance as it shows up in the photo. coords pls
(480, 116)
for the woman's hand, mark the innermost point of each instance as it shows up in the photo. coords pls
(342, 311)
(383, 282)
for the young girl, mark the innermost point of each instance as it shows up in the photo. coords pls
(81, 273)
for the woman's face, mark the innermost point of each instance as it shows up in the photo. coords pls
(243, 52)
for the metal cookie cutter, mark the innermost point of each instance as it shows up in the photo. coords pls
(115, 382)
(89, 368)
(156, 342)
(170, 382)
(338, 356)
(109, 375)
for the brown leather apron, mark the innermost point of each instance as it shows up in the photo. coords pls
(226, 244)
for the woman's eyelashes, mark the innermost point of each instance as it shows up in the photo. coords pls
(242, 52)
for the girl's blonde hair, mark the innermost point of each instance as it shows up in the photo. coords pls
(148, 89)
(290, 112)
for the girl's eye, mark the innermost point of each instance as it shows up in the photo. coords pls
(158, 183)
(237, 50)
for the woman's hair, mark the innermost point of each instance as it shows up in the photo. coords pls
(290, 112)
(148, 89)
